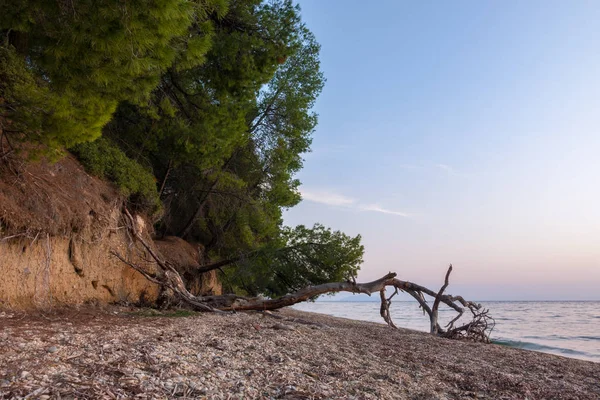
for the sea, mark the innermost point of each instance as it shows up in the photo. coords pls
(565, 328)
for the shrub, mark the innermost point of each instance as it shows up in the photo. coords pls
(103, 159)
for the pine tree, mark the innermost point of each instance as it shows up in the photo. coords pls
(88, 56)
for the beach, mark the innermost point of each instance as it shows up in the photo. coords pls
(565, 328)
(120, 352)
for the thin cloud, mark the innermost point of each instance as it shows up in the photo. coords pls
(328, 198)
(338, 200)
(379, 209)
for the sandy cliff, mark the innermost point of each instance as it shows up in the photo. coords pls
(57, 227)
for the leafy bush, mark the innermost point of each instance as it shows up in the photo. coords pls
(105, 160)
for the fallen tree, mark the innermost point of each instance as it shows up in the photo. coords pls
(478, 329)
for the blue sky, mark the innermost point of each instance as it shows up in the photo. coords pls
(462, 132)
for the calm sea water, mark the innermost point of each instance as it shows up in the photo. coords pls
(570, 329)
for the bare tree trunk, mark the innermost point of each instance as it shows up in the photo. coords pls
(477, 330)
(434, 310)
(244, 304)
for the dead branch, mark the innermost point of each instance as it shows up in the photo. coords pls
(477, 330)
(385, 307)
(307, 293)
(434, 310)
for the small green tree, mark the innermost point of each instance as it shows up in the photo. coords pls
(297, 258)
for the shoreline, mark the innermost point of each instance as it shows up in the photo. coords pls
(546, 336)
(94, 353)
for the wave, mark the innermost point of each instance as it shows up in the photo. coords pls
(559, 337)
(588, 337)
(543, 348)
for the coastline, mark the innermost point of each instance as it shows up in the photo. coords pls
(568, 329)
(123, 353)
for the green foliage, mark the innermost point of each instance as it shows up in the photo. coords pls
(30, 111)
(88, 56)
(227, 137)
(279, 130)
(20, 96)
(198, 115)
(282, 123)
(262, 86)
(300, 257)
(200, 136)
(103, 159)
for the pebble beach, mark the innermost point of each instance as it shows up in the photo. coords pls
(119, 353)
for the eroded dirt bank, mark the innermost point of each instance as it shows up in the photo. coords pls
(117, 353)
(58, 227)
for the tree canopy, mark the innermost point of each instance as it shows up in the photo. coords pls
(205, 110)
(81, 59)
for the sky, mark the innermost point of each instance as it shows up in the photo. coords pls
(464, 132)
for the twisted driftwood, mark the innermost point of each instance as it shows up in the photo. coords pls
(478, 329)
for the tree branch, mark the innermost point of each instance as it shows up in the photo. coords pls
(434, 310)
(477, 330)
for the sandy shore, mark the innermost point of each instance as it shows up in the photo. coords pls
(117, 353)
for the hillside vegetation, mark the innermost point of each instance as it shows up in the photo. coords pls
(198, 111)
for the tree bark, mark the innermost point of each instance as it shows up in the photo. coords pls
(307, 293)
(434, 310)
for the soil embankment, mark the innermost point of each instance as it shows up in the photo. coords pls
(120, 354)
(58, 226)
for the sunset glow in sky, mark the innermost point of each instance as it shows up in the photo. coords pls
(461, 132)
